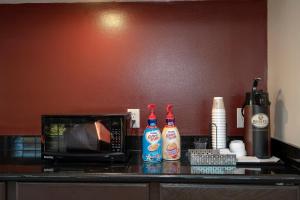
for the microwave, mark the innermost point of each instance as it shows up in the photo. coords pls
(85, 137)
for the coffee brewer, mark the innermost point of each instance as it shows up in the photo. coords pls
(256, 112)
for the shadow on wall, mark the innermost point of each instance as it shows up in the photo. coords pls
(281, 116)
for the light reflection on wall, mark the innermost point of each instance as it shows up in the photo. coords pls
(112, 20)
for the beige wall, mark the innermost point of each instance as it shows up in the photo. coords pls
(284, 69)
(71, 1)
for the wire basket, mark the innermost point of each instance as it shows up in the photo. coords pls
(210, 157)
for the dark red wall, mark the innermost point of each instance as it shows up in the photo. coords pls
(58, 58)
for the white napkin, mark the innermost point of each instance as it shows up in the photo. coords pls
(251, 159)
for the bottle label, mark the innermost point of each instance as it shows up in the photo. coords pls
(152, 145)
(172, 150)
(171, 144)
(260, 120)
(171, 135)
(153, 136)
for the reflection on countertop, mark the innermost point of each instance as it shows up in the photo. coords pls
(135, 165)
(24, 163)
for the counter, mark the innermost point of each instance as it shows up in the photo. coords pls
(25, 169)
(24, 176)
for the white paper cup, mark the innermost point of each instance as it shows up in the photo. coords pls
(219, 133)
(218, 130)
(218, 103)
(237, 147)
(218, 136)
(218, 115)
(218, 120)
(218, 140)
(218, 112)
(218, 146)
(218, 126)
(218, 123)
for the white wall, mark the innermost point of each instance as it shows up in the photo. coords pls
(284, 69)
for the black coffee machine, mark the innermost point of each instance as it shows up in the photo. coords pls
(256, 112)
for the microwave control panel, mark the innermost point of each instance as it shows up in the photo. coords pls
(116, 136)
(116, 140)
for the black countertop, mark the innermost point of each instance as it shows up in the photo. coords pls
(20, 160)
(33, 169)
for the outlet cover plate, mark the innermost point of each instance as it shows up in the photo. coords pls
(135, 117)
(239, 118)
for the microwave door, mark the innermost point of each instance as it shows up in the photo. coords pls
(103, 133)
(81, 137)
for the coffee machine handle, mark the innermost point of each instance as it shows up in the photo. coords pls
(242, 110)
(254, 88)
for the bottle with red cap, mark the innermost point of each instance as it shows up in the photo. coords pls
(171, 138)
(152, 140)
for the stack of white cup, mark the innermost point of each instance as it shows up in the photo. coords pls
(218, 126)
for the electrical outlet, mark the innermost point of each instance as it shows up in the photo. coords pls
(135, 117)
(239, 118)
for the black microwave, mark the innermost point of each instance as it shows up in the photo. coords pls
(85, 137)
